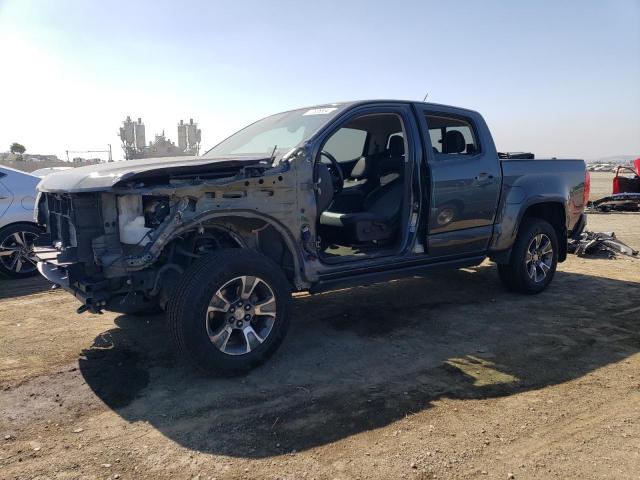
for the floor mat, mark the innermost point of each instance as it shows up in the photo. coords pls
(344, 250)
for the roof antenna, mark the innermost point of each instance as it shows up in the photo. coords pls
(425, 97)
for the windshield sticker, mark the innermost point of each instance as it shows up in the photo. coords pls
(320, 111)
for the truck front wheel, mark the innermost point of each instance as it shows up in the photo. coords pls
(534, 258)
(230, 311)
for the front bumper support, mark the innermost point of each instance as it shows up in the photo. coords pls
(94, 301)
(54, 274)
(97, 295)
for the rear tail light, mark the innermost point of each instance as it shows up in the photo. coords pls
(587, 187)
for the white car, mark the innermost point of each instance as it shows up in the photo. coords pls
(43, 172)
(18, 229)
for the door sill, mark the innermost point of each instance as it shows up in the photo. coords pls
(338, 259)
(386, 272)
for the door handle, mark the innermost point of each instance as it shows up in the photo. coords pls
(483, 178)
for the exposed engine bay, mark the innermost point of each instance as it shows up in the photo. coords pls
(122, 248)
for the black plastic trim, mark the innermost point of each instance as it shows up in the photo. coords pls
(334, 281)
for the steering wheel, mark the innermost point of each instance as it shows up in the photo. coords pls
(337, 177)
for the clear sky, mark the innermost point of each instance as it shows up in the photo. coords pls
(559, 78)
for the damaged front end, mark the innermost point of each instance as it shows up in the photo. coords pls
(88, 246)
(123, 247)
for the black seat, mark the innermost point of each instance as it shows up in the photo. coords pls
(377, 222)
(392, 159)
(381, 207)
(453, 142)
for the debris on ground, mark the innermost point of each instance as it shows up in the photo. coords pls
(592, 243)
(628, 202)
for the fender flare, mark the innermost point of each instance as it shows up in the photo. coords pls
(503, 255)
(299, 281)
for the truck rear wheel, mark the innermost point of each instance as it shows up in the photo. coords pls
(230, 311)
(534, 258)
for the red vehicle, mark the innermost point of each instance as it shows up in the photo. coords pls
(624, 184)
(626, 191)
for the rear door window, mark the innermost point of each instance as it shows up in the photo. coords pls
(451, 135)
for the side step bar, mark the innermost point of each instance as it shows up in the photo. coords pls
(386, 275)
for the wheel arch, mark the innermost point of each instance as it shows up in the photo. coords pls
(248, 229)
(552, 211)
(20, 222)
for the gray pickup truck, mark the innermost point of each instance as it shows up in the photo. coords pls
(312, 199)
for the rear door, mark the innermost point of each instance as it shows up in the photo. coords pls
(465, 179)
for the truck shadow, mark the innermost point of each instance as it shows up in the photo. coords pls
(18, 287)
(360, 359)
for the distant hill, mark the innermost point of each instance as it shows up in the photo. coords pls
(614, 159)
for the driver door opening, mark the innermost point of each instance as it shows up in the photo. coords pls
(361, 172)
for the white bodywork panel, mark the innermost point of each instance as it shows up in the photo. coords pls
(17, 196)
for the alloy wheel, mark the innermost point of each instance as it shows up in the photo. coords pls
(539, 257)
(240, 315)
(16, 252)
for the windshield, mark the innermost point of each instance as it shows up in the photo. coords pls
(280, 132)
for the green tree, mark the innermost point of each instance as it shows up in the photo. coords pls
(17, 149)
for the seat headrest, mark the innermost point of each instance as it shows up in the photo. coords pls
(453, 142)
(396, 146)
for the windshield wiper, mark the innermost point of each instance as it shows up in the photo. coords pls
(273, 155)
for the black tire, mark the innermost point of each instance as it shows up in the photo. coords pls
(189, 320)
(18, 264)
(516, 275)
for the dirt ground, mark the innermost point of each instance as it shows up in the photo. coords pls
(601, 184)
(445, 377)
